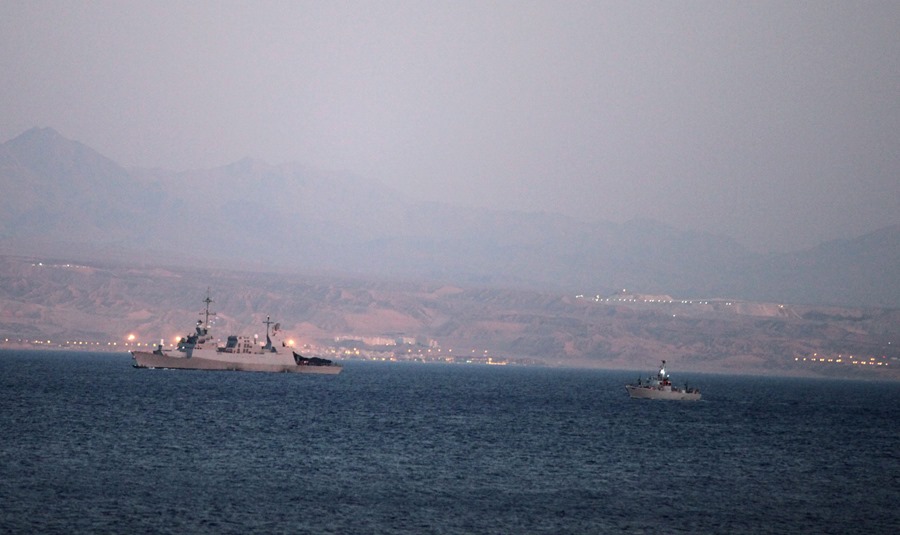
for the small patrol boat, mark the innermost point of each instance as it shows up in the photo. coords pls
(660, 387)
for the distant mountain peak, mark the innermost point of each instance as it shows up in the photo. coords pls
(56, 159)
(42, 136)
(44, 132)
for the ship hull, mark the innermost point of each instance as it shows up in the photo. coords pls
(246, 363)
(642, 392)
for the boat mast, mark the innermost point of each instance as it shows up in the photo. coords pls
(268, 340)
(207, 313)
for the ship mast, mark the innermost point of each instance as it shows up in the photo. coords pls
(207, 313)
(268, 340)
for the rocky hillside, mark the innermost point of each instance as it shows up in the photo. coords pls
(68, 303)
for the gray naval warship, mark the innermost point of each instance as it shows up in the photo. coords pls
(199, 351)
(660, 387)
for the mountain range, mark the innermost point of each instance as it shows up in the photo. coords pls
(65, 199)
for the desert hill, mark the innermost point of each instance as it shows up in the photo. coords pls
(52, 303)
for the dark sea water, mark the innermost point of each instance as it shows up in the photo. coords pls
(90, 444)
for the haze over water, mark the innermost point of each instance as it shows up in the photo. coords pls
(94, 445)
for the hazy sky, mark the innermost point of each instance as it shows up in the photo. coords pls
(776, 123)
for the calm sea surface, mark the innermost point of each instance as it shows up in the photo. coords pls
(90, 444)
